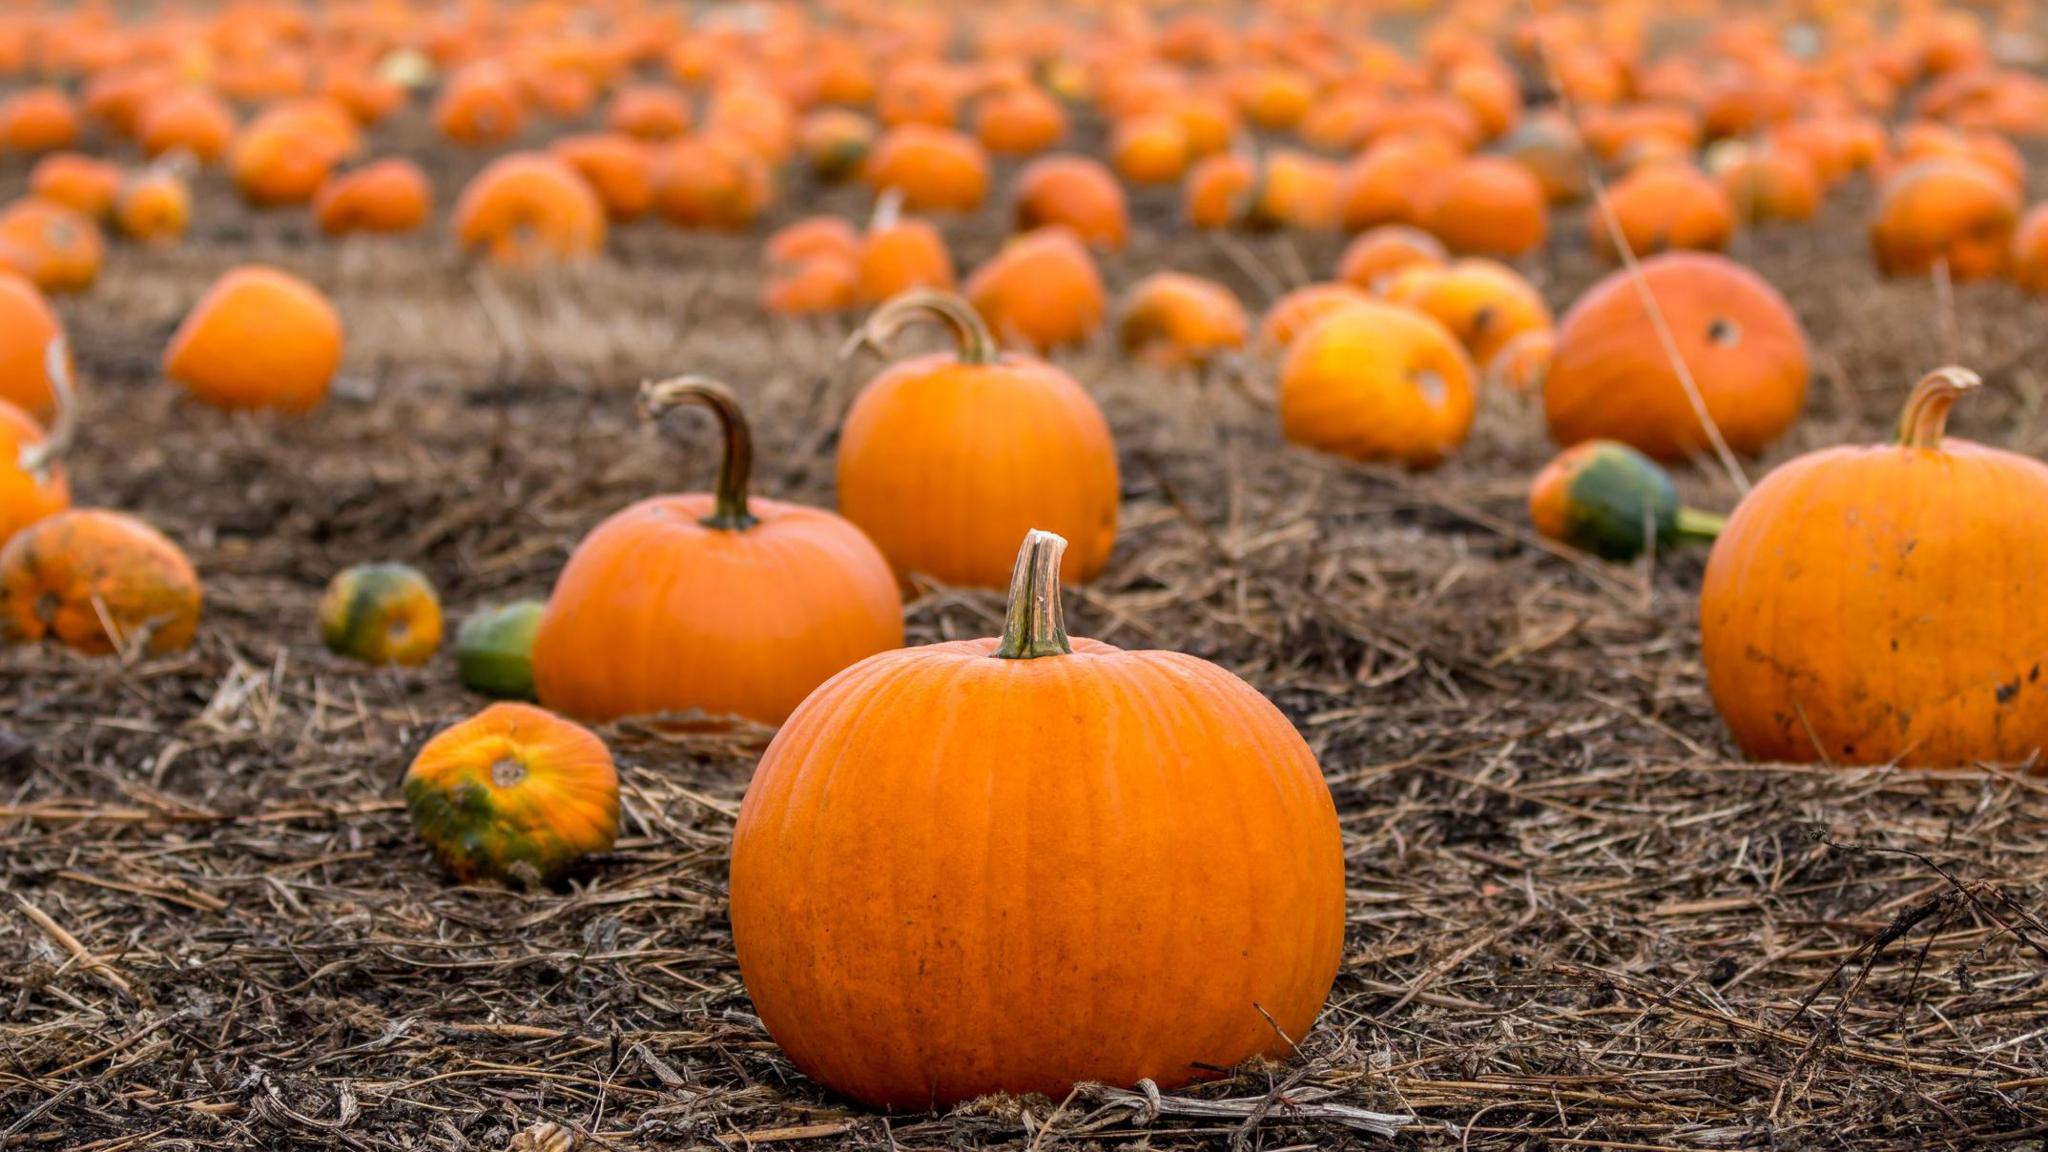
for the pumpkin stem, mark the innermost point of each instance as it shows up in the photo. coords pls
(1036, 623)
(38, 458)
(1925, 420)
(888, 210)
(659, 397)
(976, 344)
(1694, 524)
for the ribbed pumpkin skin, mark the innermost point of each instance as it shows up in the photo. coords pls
(1610, 378)
(1884, 598)
(946, 465)
(657, 612)
(955, 874)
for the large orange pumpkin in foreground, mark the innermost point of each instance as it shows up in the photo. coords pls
(99, 582)
(1611, 378)
(712, 602)
(1013, 865)
(946, 460)
(1374, 381)
(260, 338)
(1873, 605)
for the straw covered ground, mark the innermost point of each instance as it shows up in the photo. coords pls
(1577, 920)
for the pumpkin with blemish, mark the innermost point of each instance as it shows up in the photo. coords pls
(1860, 606)
(381, 614)
(933, 867)
(715, 602)
(494, 649)
(513, 793)
(945, 460)
(1606, 498)
(259, 338)
(99, 582)
(1610, 376)
(1377, 381)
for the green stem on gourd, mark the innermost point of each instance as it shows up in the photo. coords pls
(1925, 420)
(38, 458)
(1036, 624)
(659, 397)
(970, 333)
(1694, 524)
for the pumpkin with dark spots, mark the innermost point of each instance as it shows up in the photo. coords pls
(99, 582)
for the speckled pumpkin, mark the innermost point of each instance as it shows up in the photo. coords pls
(513, 793)
(381, 614)
(494, 650)
(97, 581)
(1606, 498)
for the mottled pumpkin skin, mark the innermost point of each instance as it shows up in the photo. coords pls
(381, 614)
(946, 465)
(1610, 378)
(658, 612)
(1605, 498)
(513, 790)
(494, 650)
(955, 874)
(1877, 605)
(24, 496)
(61, 573)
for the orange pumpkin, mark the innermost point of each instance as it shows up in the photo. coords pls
(1866, 605)
(1219, 191)
(1769, 184)
(814, 284)
(1663, 208)
(389, 195)
(59, 250)
(1484, 304)
(1077, 193)
(710, 182)
(529, 207)
(1944, 211)
(1610, 377)
(259, 338)
(1019, 121)
(78, 182)
(2030, 251)
(37, 120)
(898, 254)
(936, 169)
(961, 750)
(1485, 206)
(98, 582)
(1377, 255)
(1173, 320)
(281, 162)
(481, 106)
(28, 329)
(649, 112)
(943, 456)
(513, 793)
(191, 120)
(1294, 313)
(618, 168)
(155, 206)
(32, 483)
(1041, 291)
(1375, 381)
(712, 601)
(1383, 184)
(1523, 363)
(812, 237)
(1150, 149)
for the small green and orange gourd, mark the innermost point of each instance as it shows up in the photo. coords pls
(947, 459)
(1606, 498)
(513, 793)
(381, 614)
(494, 649)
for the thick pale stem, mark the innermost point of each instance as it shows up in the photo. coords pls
(1694, 524)
(658, 398)
(1925, 420)
(970, 333)
(38, 458)
(1036, 624)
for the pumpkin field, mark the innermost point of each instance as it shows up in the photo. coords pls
(877, 574)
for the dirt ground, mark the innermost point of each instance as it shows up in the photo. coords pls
(1577, 920)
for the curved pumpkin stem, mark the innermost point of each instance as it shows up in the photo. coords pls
(38, 458)
(1925, 420)
(659, 397)
(970, 332)
(1036, 623)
